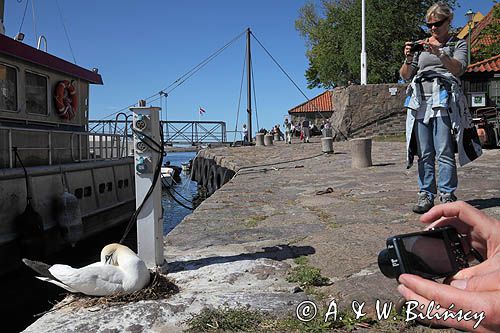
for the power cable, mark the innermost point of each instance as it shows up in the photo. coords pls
(65, 31)
(34, 18)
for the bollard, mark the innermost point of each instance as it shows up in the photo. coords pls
(259, 139)
(268, 140)
(277, 137)
(327, 145)
(361, 151)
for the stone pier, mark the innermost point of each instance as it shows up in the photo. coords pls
(238, 246)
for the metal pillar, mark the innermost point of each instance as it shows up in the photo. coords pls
(249, 87)
(363, 51)
(150, 220)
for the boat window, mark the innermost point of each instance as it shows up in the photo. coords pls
(36, 94)
(79, 193)
(102, 187)
(8, 88)
(126, 182)
(87, 191)
(120, 183)
(109, 186)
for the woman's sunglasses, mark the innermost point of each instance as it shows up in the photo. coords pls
(436, 24)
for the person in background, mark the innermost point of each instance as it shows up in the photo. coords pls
(245, 134)
(436, 108)
(288, 131)
(474, 289)
(305, 130)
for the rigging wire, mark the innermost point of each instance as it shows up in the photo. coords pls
(24, 14)
(34, 18)
(254, 95)
(65, 31)
(241, 91)
(186, 75)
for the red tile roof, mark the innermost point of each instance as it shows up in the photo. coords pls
(489, 65)
(322, 102)
(477, 40)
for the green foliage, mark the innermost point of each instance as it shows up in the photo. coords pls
(333, 38)
(491, 32)
(306, 275)
(225, 319)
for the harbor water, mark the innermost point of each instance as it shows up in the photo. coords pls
(26, 298)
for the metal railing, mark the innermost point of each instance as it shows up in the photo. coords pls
(83, 146)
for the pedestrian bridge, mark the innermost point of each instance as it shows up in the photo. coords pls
(174, 131)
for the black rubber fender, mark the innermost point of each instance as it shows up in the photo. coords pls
(199, 170)
(207, 164)
(228, 175)
(194, 165)
(212, 179)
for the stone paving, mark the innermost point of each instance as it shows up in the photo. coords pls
(238, 245)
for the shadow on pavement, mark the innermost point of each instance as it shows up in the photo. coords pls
(484, 203)
(277, 252)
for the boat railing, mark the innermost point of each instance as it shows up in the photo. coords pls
(49, 147)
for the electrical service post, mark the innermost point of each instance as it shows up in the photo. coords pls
(150, 218)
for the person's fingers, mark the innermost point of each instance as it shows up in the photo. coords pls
(480, 222)
(430, 312)
(443, 294)
(489, 281)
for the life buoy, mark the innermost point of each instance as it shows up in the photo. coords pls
(66, 100)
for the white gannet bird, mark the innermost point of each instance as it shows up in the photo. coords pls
(120, 271)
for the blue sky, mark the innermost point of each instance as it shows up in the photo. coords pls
(141, 47)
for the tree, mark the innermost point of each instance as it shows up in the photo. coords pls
(333, 38)
(488, 44)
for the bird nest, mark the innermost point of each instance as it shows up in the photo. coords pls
(160, 287)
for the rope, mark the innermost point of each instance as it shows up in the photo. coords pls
(24, 14)
(254, 96)
(186, 75)
(34, 18)
(239, 98)
(65, 31)
(316, 109)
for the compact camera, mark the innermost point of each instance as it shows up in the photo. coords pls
(431, 254)
(416, 47)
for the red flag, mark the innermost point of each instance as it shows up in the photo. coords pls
(202, 111)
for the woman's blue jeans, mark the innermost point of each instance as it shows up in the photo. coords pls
(435, 141)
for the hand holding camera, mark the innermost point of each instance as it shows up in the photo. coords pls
(475, 289)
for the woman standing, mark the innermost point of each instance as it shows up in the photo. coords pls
(437, 113)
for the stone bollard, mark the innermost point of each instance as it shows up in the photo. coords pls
(268, 140)
(361, 151)
(327, 145)
(259, 139)
(277, 137)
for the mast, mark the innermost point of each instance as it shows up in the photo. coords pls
(249, 88)
(2, 28)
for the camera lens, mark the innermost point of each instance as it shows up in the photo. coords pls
(385, 265)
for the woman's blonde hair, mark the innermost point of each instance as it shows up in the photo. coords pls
(440, 11)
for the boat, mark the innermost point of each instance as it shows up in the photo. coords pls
(167, 176)
(186, 166)
(60, 183)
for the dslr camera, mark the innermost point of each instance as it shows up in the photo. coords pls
(416, 47)
(431, 254)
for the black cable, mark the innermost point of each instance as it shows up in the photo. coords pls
(177, 201)
(28, 194)
(276, 163)
(173, 189)
(156, 176)
(66, 31)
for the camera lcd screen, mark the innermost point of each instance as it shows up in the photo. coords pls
(427, 254)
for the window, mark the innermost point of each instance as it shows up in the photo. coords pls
(8, 88)
(36, 94)
(495, 91)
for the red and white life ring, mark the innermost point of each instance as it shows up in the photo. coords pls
(66, 100)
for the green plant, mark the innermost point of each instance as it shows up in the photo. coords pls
(225, 319)
(306, 275)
